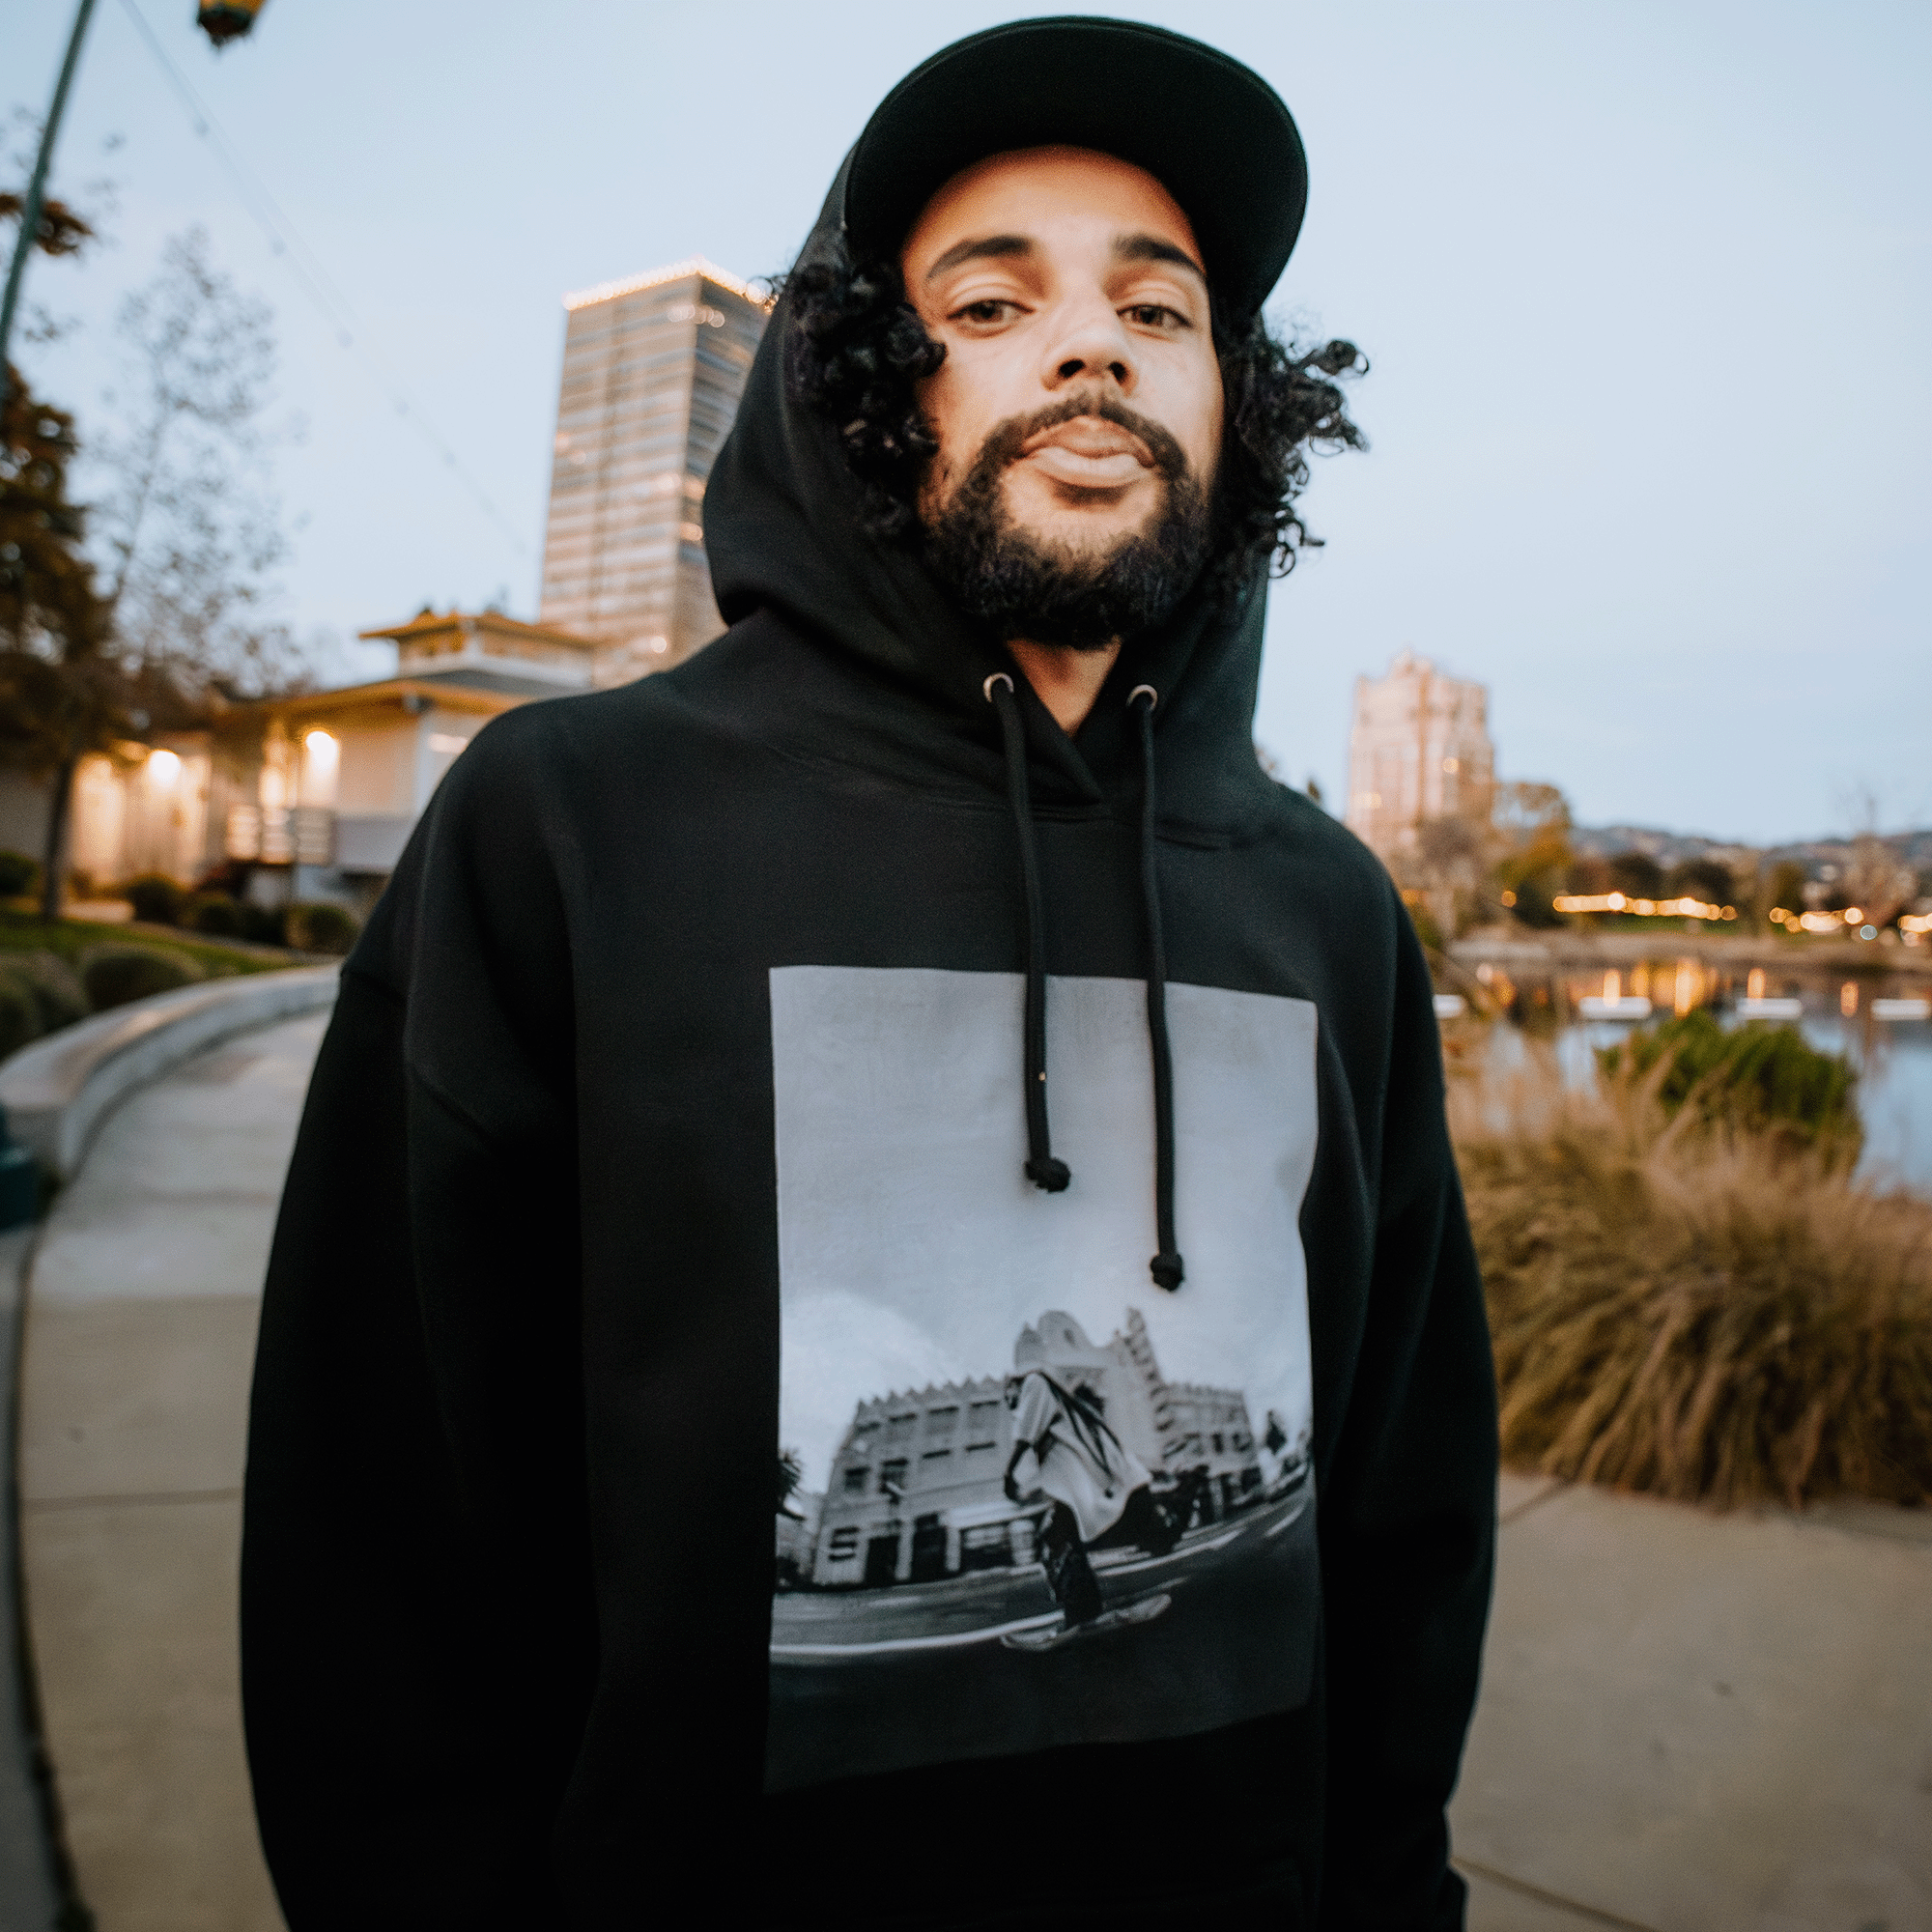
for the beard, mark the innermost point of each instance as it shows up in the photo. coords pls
(1020, 585)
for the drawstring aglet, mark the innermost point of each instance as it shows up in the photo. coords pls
(1050, 1174)
(1168, 1271)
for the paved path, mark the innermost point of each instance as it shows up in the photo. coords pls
(140, 1333)
(1689, 1723)
(1701, 1724)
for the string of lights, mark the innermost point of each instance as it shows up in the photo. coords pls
(285, 242)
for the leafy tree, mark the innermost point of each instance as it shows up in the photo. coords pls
(187, 529)
(791, 1479)
(61, 693)
(1589, 874)
(1637, 875)
(1532, 822)
(1707, 879)
(1784, 887)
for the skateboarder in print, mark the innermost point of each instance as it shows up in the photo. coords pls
(1103, 1497)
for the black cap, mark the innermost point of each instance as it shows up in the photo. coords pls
(1212, 131)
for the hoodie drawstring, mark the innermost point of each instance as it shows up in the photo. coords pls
(1167, 1266)
(1042, 1168)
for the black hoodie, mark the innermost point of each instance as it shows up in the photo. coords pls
(694, 1019)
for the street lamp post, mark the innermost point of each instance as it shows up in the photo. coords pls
(37, 189)
(221, 20)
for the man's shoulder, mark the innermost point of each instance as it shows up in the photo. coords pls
(566, 735)
(1320, 847)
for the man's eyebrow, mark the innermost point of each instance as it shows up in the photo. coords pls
(1152, 248)
(982, 248)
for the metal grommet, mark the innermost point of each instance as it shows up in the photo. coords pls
(1153, 695)
(998, 678)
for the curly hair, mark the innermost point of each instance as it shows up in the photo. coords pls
(857, 350)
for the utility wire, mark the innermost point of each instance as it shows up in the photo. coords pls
(327, 300)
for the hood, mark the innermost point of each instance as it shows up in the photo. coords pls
(783, 530)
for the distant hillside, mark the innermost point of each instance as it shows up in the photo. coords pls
(1672, 848)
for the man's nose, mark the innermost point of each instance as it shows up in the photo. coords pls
(1092, 343)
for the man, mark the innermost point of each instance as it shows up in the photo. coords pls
(1101, 1493)
(687, 1103)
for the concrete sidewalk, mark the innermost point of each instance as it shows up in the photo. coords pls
(1694, 1723)
(1688, 1723)
(140, 1334)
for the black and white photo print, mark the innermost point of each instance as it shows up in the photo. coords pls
(1026, 1497)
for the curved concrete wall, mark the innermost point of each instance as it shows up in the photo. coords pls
(56, 1091)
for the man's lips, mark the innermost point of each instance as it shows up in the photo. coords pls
(1088, 452)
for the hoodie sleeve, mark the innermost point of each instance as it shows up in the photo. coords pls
(1408, 1515)
(416, 1623)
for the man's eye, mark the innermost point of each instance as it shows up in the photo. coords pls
(993, 309)
(1155, 315)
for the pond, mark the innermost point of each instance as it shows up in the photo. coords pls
(1870, 1020)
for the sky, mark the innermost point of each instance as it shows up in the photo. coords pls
(1646, 291)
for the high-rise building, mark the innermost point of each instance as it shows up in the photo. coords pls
(1418, 749)
(653, 368)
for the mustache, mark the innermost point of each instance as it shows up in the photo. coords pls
(1006, 442)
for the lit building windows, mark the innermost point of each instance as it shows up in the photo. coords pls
(652, 372)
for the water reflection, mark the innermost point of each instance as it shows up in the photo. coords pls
(1880, 1022)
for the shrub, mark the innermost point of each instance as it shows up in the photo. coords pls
(214, 914)
(20, 1015)
(40, 992)
(322, 928)
(266, 926)
(1758, 1079)
(114, 975)
(155, 897)
(1709, 1317)
(56, 987)
(20, 875)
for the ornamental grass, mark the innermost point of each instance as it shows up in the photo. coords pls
(1686, 1304)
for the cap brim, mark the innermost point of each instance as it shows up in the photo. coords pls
(1212, 131)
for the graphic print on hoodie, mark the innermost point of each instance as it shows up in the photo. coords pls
(1037, 1500)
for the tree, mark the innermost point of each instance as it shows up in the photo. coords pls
(60, 694)
(1637, 875)
(188, 527)
(1784, 889)
(1532, 825)
(791, 1479)
(188, 530)
(1707, 879)
(65, 691)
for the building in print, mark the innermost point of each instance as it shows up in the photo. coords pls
(653, 368)
(917, 1489)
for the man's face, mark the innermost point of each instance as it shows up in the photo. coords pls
(1080, 398)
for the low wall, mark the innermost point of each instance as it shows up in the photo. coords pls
(56, 1091)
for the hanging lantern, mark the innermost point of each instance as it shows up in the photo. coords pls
(225, 20)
